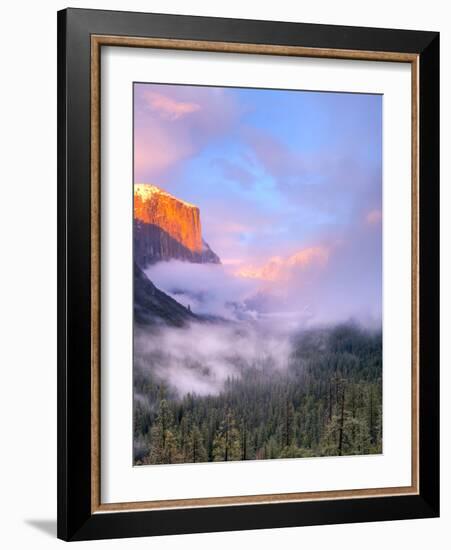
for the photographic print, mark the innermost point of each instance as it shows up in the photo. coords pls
(243, 339)
(257, 245)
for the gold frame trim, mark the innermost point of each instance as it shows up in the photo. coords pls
(97, 41)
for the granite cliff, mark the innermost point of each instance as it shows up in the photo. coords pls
(166, 228)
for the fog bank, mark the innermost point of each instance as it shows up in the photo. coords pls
(200, 358)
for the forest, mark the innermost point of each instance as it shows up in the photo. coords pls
(327, 402)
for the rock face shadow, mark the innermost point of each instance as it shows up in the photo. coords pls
(46, 526)
(152, 244)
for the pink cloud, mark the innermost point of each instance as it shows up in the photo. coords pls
(174, 123)
(236, 172)
(277, 159)
(168, 107)
(155, 151)
(278, 268)
(374, 217)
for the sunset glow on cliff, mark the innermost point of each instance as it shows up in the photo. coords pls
(257, 274)
(284, 186)
(179, 219)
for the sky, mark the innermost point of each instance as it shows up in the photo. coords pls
(289, 187)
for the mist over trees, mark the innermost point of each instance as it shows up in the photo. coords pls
(325, 401)
(229, 360)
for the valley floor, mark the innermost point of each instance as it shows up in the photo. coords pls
(328, 402)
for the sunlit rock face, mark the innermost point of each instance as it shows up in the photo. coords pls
(166, 228)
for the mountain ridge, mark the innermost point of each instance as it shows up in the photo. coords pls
(152, 306)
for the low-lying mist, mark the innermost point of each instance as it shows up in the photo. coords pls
(208, 289)
(345, 285)
(247, 322)
(200, 357)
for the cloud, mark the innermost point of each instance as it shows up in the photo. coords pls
(327, 183)
(173, 124)
(282, 163)
(201, 358)
(374, 217)
(209, 289)
(279, 269)
(168, 107)
(291, 197)
(331, 281)
(155, 151)
(235, 172)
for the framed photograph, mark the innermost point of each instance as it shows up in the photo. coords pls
(248, 274)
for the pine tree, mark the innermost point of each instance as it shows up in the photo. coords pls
(288, 423)
(164, 446)
(226, 444)
(328, 402)
(341, 422)
(195, 450)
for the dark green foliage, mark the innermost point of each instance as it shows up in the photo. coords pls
(328, 402)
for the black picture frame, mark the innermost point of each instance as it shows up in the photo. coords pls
(75, 518)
